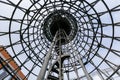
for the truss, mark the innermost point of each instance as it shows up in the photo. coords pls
(94, 30)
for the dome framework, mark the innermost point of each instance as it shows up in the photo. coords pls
(93, 38)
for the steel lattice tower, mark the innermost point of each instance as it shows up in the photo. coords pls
(61, 39)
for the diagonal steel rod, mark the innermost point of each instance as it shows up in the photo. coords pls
(46, 61)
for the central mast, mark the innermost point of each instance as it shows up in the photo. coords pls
(57, 65)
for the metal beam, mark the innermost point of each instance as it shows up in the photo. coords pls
(46, 61)
(84, 69)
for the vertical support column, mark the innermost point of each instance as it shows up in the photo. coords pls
(68, 71)
(46, 61)
(60, 69)
(68, 75)
(75, 69)
(84, 69)
(60, 50)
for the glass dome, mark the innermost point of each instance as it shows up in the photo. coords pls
(27, 31)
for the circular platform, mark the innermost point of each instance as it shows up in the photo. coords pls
(60, 19)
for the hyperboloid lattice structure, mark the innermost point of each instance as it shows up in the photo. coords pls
(62, 39)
